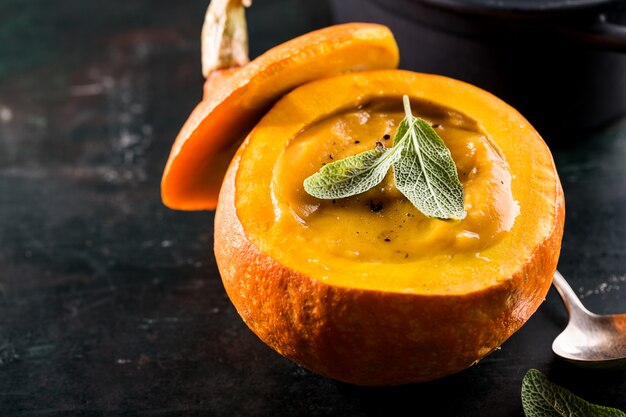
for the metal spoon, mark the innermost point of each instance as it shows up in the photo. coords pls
(589, 339)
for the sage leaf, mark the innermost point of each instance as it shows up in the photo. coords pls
(425, 172)
(352, 175)
(542, 398)
(402, 132)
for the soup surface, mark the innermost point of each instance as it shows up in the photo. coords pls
(382, 225)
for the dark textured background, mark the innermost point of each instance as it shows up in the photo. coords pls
(112, 304)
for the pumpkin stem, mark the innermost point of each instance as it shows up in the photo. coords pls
(224, 35)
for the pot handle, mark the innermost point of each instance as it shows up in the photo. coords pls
(601, 32)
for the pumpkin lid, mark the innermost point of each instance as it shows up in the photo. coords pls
(235, 100)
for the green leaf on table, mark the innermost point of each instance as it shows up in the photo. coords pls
(542, 398)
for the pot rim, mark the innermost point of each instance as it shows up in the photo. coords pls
(518, 7)
(583, 22)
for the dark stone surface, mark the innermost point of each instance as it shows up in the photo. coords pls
(112, 304)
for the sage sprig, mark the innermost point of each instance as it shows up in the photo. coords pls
(423, 170)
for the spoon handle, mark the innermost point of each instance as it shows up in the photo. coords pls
(569, 297)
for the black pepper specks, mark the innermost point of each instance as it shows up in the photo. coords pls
(376, 206)
(387, 137)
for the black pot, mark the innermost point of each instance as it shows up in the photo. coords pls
(561, 63)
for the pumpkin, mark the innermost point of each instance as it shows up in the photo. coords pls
(380, 319)
(366, 289)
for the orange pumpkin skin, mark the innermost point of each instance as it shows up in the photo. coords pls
(234, 99)
(364, 337)
(371, 337)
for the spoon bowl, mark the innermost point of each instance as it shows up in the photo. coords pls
(589, 339)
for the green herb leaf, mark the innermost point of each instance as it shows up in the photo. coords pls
(402, 132)
(423, 168)
(352, 175)
(425, 172)
(542, 398)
